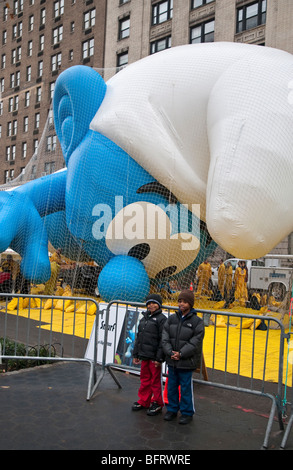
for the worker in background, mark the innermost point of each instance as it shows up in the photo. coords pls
(221, 278)
(55, 261)
(204, 274)
(228, 280)
(240, 281)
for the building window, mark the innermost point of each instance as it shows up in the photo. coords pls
(122, 59)
(51, 143)
(2, 85)
(124, 28)
(24, 149)
(39, 94)
(13, 56)
(17, 30)
(13, 152)
(31, 23)
(28, 73)
(88, 48)
(162, 11)
(13, 104)
(30, 48)
(35, 145)
(8, 154)
(27, 99)
(5, 13)
(250, 16)
(58, 8)
(51, 90)
(37, 120)
(199, 3)
(56, 61)
(41, 42)
(49, 168)
(3, 61)
(14, 127)
(9, 129)
(72, 26)
(25, 124)
(43, 16)
(4, 37)
(160, 44)
(40, 68)
(50, 117)
(89, 19)
(202, 33)
(70, 55)
(57, 34)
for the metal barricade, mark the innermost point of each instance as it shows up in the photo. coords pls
(222, 379)
(286, 404)
(32, 327)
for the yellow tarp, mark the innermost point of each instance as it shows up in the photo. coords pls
(81, 325)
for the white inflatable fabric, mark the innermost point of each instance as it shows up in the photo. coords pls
(214, 124)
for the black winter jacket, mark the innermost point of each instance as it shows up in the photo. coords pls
(183, 334)
(148, 343)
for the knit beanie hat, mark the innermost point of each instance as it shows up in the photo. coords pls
(188, 296)
(154, 298)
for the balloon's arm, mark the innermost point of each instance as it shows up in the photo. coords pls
(47, 193)
(21, 212)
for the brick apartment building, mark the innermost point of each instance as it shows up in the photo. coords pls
(41, 38)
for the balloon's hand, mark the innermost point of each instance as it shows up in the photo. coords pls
(23, 230)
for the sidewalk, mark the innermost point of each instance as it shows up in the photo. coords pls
(45, 408)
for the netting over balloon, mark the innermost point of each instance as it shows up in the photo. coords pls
(178, 154)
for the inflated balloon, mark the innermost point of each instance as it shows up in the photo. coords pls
(180, 151)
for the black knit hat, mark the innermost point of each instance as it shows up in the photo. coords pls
(154, 298)
(188, 296)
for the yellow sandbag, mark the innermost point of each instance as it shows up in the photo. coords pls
(37, 302)
(92, 309)
(70, 308)
(63, 304)
(219, 305)
(255, 324)
(15, 303)
(82, 309)
(25, 302)
(220, 321)
(49, 303)
(246, 323)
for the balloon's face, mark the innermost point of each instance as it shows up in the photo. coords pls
(125, 213)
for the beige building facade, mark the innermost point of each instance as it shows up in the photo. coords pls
(40, 38)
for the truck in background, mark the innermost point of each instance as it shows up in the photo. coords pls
(264, 275)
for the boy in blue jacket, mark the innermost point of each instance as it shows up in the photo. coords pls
(182, 339)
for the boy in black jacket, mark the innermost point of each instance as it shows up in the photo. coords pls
(182, 344)
(148, 351)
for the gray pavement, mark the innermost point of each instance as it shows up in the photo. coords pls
(45, 408)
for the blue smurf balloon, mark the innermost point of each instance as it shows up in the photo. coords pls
(158, 164)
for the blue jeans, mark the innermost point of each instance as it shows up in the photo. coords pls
(183, 378)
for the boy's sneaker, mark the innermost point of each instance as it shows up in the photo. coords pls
(169, 416)
(154, 409)
(137, 406)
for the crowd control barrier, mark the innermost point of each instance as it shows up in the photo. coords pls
(29, 327)
(118, 356)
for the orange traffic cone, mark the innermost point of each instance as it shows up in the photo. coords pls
(191, 286)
